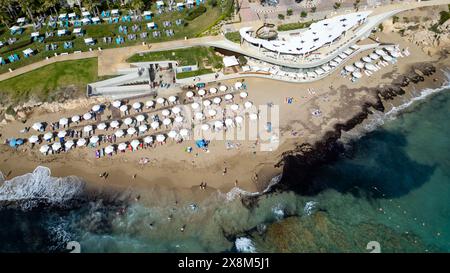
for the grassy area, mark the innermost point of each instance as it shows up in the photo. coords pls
(189, 29)
(292, 26)
(43, 83)
(195, 73)
(233, 36)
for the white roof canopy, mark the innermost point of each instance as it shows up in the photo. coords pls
(230, 61)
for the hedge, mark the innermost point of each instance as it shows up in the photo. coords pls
(60, 38)
(15, 46)
(192, 14)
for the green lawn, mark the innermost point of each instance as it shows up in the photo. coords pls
(233, 36)
(44, 82)
(190, 29)
(293, 26)
(195, 73)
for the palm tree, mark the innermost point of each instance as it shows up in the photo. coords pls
(5, 17)
(137, 5)
(27, 6)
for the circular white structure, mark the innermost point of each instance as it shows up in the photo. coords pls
(75, 118)
(160, 100)
(56, 146)
(395, 54)
(62, 133)
(167, 121)
(223, 88)
(109, 149)
(357, 74)
(359, 64)
(131, 131)
(195, 106)
(172, 99)
(374, 56)
(119, 133)
(94, 139)
(239, 119)
(201, 92)
(123, 108)
(212, 112)
(206, 103)
(218, 124)
(189, 94)
(370, 67)
(228, 97)
(217, 100)
(172, 134)
(387, 58)
(143, 128)
(243, 94)
(87, 116)
(37, 126)
(165, 112)
(366, 59)
(135, 143)
(137, 105)
(140, 118)
(117, 103)
(33, 139)
(122, 146)
(128, 121)
(87, 128)
(184, 132)
(148, 139)
(160, 138)
(102, 126)
(48, 136)
(349, 68)
(44, 149)
(248, 104)
(69, 144)
(205, 127)
(149, 103)
(81, 142)
(96, 108)
(253, 116)
(179, 119)
(234, 107)
(154, 125)
(114, 124)
(228, 122)
(199, 116)
(176, 110)
(213, 90)
(238, 85)
(380, 52)
(64, 121)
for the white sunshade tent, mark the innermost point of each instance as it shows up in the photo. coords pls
(34, 34)
(61, 31)
(147, 13)
(88, 41)
(115, 12)
(95, 19)
(21, 20)
(85, 20)
(159, 3)
(86, 13)
(229, 61)
(151, 25)
(76, 30)
(62, 15)
(72, 15)
(28, 51)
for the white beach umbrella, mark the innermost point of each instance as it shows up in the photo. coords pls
(96, 108)
(123, 108)
(189, 94)
(102, 126)
(176, 110)
(165, 112)
(184, 132)
(212, 112)
(48, 136)
(160, 100)
(128, 121)
(148, 139)
(228, 97)
(56, 146)
(44, 149)
(122, 146)
(357, 74)
(119, 133)
(131, 131)
(117, 103)
(238, 85)
(37, 126)
(179, 119)
(114, 124)
(172, 134)
(69, 144)
(87, 128)
(395, 54)
(109, 149)
(149, 103)
(248, 104)
(64, 121)
(62, 133)
(94, 139)
(213, 90)
(140, 118)
(143, 128)
(206, 103)
(167, 121)
(367, 59)
(359, 64)
(228, 122)
(234, 107)
(205, 127)
(223, 88)
(87, 116)
(195, 105)
(217, 100)
(374, 56)
(218, 124)
(33, 139)
(201, 92)
(172, 99)
(389, 48)
(243, 94)
(370, 67)
(380, 52)
(75, 118)
(160, 138)
(349, 68)
(81, 142)
(253, 116)
(199, 116)
(137, 105)
(239, 119)
(387, 58)
(154, 125)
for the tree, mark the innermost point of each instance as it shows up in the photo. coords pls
(5, 17)
(47, 5)
(289, 12)
(137, 5)
(303, 14)
(337, 5)
(356, 4)
(313, 9)
(281, 16)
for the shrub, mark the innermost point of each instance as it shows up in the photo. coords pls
(289, 12)
(303, 14)
(60, 38)
(281, 16)
(212, 3)
(242, 60)
(194, 13)
(16, 45)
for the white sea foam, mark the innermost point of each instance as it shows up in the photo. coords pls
(30, 189)
(245, 245)
(236, 191)
(278, 211)
(309, 207)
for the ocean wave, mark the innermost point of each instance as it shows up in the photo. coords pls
(236, 191)
(245, 245)
(32, 189)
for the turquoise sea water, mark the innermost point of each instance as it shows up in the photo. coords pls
(392, 186)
